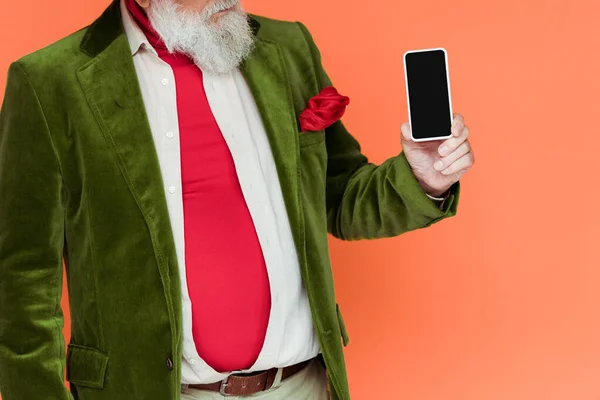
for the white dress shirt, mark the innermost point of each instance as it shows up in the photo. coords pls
(290, 336)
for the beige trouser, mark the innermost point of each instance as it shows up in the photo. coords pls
(308, 384)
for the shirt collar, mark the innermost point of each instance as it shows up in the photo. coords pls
(134, 33)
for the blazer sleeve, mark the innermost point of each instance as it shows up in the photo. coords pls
(32, 347)
(368, 201)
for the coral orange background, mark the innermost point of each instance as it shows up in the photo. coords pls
(502, 301)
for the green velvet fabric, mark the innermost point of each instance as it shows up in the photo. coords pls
(80, 179)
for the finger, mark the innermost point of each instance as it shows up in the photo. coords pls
(405, 128)
(463, 163)
(458, 124)
(445, 162)
(449, 145)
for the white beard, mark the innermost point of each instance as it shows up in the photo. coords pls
(218, 47)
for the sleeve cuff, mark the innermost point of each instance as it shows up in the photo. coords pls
(444, 197)
(434, 209)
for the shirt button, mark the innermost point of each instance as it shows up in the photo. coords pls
(171, 189)
(170, 363)
(193, 361)
(170, 135)
(164, 81)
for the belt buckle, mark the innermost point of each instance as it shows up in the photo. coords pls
(223, 387)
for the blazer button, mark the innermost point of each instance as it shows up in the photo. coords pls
(170, 363)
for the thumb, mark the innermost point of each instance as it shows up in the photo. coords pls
(405, 128)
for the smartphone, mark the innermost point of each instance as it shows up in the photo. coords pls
(428, 94)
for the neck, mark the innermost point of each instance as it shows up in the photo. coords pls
(141, 18)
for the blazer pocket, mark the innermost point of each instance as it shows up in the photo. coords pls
(345, 338)
(309, 138)
(86, 366)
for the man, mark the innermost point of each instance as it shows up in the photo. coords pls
(159, 151)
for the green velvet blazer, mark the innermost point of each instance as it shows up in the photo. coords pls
(80, 180)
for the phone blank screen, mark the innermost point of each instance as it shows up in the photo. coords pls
(428, 93)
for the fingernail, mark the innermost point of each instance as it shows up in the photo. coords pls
(438, 165)
(443, 150)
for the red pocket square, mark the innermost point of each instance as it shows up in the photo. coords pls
(323, 110)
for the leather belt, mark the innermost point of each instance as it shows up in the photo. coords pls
(247, 384)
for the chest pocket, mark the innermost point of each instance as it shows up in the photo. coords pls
(310, 138)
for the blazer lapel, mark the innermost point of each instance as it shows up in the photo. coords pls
(265, 73)
(110, 84)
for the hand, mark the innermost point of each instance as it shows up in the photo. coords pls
(439, 164)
